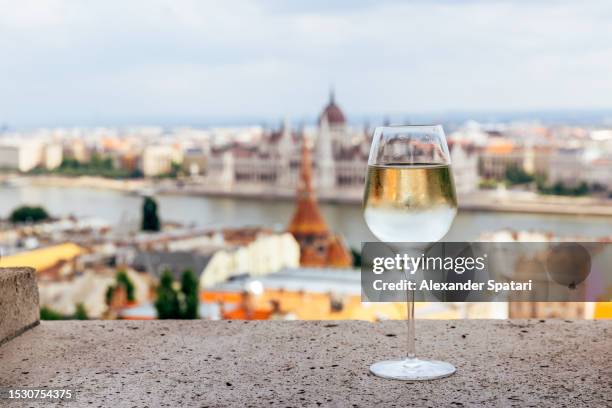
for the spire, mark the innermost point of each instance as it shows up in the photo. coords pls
(332, 96)
(307, 219)
(318, 247)
(305, 186)
(285, 142)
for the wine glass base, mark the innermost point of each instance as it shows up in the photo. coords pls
(412, 369)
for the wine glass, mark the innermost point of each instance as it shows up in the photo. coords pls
(410, 202)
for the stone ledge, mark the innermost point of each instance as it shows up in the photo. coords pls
(19, 310)
(237, 363)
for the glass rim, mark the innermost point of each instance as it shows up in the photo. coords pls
(419, 126)
(434, 133)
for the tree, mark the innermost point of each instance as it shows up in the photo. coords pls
(581, 190)
(167, 303)
(561, 189)
(175, 169)
(50, 314)
(189, 289)
(81, 312)
(136, 173)
(109, 294)
(177, 304)
(28, 214)
(516, 175)
(356, 257)
(150, 219)
(123, 279)
(46, 313)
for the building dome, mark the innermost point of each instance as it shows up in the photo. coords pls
(333, 113)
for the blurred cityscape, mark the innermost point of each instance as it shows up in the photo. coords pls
(264, 222)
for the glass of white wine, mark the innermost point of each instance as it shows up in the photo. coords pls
(410, 202)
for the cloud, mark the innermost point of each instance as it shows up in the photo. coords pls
(66, 61)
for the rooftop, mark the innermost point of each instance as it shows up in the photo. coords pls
(44, 258)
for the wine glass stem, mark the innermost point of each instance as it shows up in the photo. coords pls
(410, 322)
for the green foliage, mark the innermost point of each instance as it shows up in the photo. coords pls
(28, 214)
(109, 294)
(102, 163)
(487, 184)
(96, 166)
(356, 258)
(50, 314)
(136, 173)
(81, 312)
(122, 280)
(581, 189)
(150, 219)
(167, 303)
(176, 171)
(177, 304)
(516, 175)
(46, 313)
(560, 189)
(189, 289)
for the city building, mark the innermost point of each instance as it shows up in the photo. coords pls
(318, 246)
(316, 294)
(52, 156)
(464, 160)
(20, 155)
(76, 149)
(158, 160)
(567, 166)
(194, 161)
(589, 163)
(272, 162)
(212, 261)
(89, 289)
(498, 157)
(56, 260)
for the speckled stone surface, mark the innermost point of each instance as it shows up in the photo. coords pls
(294, 364)
(18, 301)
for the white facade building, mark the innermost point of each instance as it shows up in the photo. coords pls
(20, 155)
(157, 160)
(340, 157)
(567, 166)
(465, 167)
(265, 255)
(52, 156)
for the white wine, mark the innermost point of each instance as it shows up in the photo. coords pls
(409, 203)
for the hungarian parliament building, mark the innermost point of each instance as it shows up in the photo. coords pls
(340, 156)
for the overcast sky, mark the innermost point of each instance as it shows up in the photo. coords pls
(74, 62)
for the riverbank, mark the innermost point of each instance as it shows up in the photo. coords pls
(529, 202)
(483, 200)
(130, 186)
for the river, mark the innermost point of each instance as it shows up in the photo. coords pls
(120, 208)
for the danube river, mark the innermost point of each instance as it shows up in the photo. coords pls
(121, 208)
